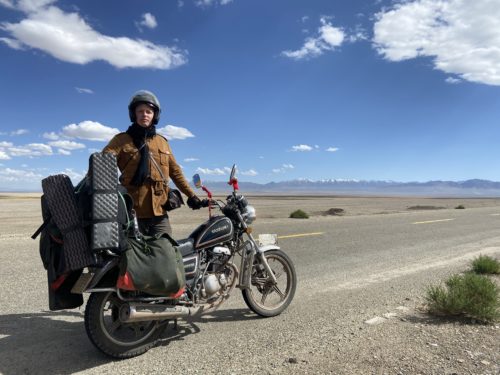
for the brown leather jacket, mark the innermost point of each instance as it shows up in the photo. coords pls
(152, 195)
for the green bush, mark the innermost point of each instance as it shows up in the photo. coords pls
(470, 295)
(486, 264)
(299, 214)
(460, 207)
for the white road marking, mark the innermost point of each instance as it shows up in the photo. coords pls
(495, 214)
(432, 221)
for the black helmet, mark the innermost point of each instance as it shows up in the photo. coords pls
(144, 97)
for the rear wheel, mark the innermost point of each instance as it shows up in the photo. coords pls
(114, 337)
(264, 297)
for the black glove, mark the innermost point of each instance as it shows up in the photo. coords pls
(194, 202)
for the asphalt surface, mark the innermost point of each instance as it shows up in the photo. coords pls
(356, 268)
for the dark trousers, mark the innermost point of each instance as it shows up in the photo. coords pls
(155, 225)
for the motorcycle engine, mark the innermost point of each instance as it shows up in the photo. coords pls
(215, 281)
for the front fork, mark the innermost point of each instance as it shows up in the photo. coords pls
(250, 250)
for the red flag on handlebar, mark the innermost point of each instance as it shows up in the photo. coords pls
(234, 183)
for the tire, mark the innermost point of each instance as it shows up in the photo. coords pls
(114, 338)
(261, 287)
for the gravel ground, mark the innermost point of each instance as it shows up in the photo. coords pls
(373, 322)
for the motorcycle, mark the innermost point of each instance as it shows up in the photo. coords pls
(124, 324)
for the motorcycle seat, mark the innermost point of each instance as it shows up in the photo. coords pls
(186, 246)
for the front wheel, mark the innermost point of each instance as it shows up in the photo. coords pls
(264, 297)
(114, 337)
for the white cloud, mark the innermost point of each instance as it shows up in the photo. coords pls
(75, 176)
(12, 43)
(63, 152)
(6, 144)
(215, 172)
(3, 155)
(206, 3)
(52, 136)
(82, 90)
(40, 149)
(68, 37)
(7, 3)
(148, 20)
(301, 148)
(284, 168)
(18, 175)
(67, 145)
(250, 172)
(90, 130)
(30, 150)
(91, 150)
(19, 132)
(175, 132)
(332, 149)
(462, 37)
(188, 160)
(328, 39)
(33, 5)
(358, 34)
(19, 151)
(452, 80)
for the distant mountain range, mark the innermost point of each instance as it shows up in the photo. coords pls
(468, 188)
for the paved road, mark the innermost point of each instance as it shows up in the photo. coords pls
(357, 268)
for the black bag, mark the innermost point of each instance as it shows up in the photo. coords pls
(152, 265)
(174, 200)
(60, 207)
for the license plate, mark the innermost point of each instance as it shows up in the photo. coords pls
(268, 239)
(82, 283)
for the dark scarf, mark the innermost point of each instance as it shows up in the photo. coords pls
(139, 136)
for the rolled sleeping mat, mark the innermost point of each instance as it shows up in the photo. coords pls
(105, 230)
(61, 202)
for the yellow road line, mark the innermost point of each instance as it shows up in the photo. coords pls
(301, 235)
(432, 221)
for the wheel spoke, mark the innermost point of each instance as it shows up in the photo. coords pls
(137, 330)
(280, 293)
(114, 326)
(264, 296)
(259, 280)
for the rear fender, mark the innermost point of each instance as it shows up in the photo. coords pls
(106, 276)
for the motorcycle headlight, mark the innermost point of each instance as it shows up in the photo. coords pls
(249, 215)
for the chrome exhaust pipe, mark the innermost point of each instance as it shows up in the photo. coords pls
(131, 313)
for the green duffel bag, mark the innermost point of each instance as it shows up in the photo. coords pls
(152, 265)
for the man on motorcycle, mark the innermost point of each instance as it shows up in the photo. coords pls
(146, 162)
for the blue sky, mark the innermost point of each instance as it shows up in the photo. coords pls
(383, 90)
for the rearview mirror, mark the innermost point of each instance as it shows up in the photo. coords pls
(197, 180)
(233, 173)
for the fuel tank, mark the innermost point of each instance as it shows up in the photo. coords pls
(215, 230)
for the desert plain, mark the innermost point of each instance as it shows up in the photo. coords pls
(359, 306)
